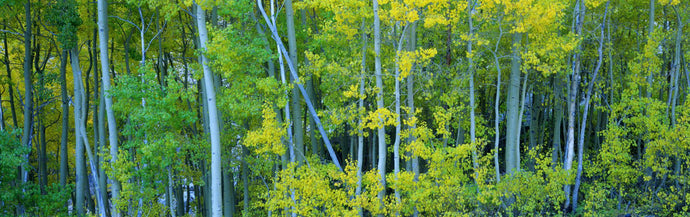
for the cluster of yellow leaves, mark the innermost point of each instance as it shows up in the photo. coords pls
(267, 139)
(594, 3)
(379, 118)
(353, 92)
(407, 59)
(669, 2)
(442, 118)
(533, 16)
(347, 14)
(548, 55)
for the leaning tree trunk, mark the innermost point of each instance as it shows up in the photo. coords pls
(583, 125)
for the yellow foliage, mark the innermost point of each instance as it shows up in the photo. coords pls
(267, 139)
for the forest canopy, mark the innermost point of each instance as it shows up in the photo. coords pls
(345, 108)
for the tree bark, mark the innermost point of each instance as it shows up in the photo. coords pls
(470, 69)
(572, 97)
(583, 125)
(497, 121)
(398, 124)
(9, 77)
(379, 103)
(360, 107)
(28, 93)
(105, 79)
(65, 122)
(293, 73)
(513, 108)
(298, 129)
(216, 192)
(558, 118)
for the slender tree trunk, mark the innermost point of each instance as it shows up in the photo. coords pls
(28, 93)
(558, 118)
(379, 103)
(9, 77)
(42, 174)
(245, 179)
(412, 44)
(65, 122)
(228, 193)
(298, 129)
(470, 68)
(216, 192)
(572, 98)
(105, 79)
(293, 73)
(497, 121)
(521, 112)
(398, 125)
(80, 127)
(676, 74)
(360, 107)
(513, 108)
(583, 125)
(2, 117)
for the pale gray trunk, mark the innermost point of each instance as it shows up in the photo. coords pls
(82, 139)
(572, 98)
(298, 129)
(216, 192)
(513, 107)
(379, 103)
(497, 121)
(583, 125)
(412, 46)
(522, 111)
(396, 143)
(558, 118)
(470, 68)
(102, 151)
(105, 79)
(360, 107)
(293, 73)
(676, 76)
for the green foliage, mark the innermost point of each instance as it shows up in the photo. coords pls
(12, 155)
(65, 17)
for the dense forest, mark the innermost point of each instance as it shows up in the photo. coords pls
(345, 107)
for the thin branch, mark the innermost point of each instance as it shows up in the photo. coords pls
(11, 32)
(127, 21)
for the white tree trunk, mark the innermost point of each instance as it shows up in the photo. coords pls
(572, 98)
(105, 77)
(216, 192)
(379, 102)
(513, 106)
(82, 141)
(360, 136)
